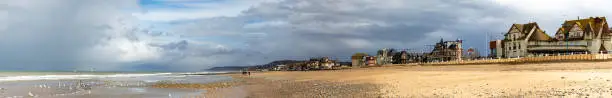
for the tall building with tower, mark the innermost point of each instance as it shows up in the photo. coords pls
(446, 51)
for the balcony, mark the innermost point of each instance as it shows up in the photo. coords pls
(558, 46)
(559, 43)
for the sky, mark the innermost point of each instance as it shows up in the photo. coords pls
(193, 35)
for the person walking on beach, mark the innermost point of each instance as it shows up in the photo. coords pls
(249, 73)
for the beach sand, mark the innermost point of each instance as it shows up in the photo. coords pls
(578, 79)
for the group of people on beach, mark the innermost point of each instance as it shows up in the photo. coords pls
(246, 73)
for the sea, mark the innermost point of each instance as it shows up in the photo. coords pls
(102, 84)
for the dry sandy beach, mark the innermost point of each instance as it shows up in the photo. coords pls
(578, 79)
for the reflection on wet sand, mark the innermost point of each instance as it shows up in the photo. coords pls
(115, 87)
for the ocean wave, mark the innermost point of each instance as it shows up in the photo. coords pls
(81, 76)
(199, 73)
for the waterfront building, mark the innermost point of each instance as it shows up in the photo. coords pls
(401, 57)
(496, 48)
(358, 59)
(472, 54)
(327, 63)
(590, 35)
(446, 51)
(384, 56)
(370, 60)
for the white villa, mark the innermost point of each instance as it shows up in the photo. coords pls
(590, 35)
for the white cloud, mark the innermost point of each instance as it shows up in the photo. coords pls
(357, 43)
(52, 32)
(125, 50)
(266, 24)
(550, 14)
(168, 16)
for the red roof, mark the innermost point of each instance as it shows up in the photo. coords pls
(492, 44)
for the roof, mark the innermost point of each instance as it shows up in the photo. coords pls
(358, 55)
(492, 44)
(539, 35)
(524, 28)
(585, 24)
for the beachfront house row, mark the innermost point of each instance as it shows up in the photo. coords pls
(280, 67)
(327, 63)
(579, 36)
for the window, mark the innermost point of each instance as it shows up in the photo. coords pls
(510, 36)
(517, 35)
(588, 43)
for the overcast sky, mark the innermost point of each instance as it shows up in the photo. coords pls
(191, 35)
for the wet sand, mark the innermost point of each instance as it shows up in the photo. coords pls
(108, 87)
(579, 79)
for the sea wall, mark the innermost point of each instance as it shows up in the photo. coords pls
(576, 57)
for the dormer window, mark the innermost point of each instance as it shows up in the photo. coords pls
(576, 32)
(560, 35)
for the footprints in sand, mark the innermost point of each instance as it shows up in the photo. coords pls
(588, 87)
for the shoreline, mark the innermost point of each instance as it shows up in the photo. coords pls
(101, 86)
(266, 87)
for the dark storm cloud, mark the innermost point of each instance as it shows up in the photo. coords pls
(68, 34)
(298, 29)
(51, 34)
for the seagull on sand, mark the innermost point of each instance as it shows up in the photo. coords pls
(31, 94)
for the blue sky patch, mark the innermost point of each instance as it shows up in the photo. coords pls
(174, 4)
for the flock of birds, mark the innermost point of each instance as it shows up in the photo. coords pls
(64, 88)
(74, 88)
(80, 87)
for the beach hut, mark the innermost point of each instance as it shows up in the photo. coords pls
(357, 60)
